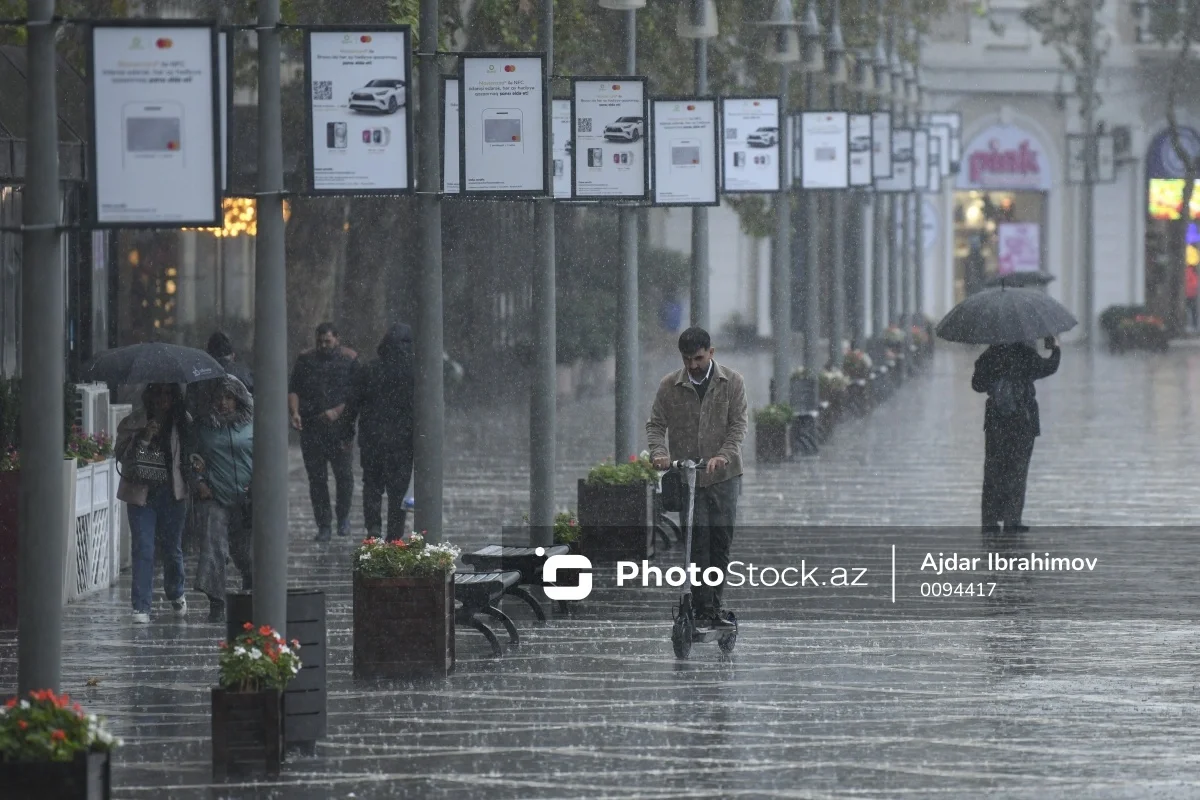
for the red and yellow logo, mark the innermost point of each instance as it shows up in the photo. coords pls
(510, 68)
(691, 108)
(365, 39)
(616, 87)
(163, 43)
(172, 145)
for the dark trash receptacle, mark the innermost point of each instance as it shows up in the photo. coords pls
(305, 707)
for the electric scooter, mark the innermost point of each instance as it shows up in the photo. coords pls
(685, 633)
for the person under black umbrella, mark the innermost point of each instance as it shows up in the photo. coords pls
(1011, 424)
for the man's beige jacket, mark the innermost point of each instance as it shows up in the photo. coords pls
(696, 429)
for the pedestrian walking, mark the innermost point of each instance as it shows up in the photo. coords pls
(700, 412)
(221, 461)
(317, 392)
(381, 402)
(149, 450)
(1191, 289)
(1011, 423)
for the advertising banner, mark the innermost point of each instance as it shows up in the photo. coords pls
(224, 60)
(359, 122)
(1019, 247)
(881, 144)
(560, 146)
(920, 169)
(155, 109)
(901, 179)
(451, 184)
(825, 140)
(935, 169)
(861, 172)
(504, 128)
(610, 149)
(952, 120)
(685, 152)
(941, 135)
(752, 152)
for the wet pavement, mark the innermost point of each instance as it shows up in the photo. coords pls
(1023, 706)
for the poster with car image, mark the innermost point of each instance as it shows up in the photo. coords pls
(155, 110)
(686, 150)
(504, 128)
(450, 143)
(901, 179)
(825, 145)
(561, 147)
(611, 154)
(752, 151)
(881, 144)
(359, 84)
(860, 150)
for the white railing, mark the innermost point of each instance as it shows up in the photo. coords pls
(92, 562)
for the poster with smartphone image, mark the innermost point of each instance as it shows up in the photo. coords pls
(686, 150)
(752, 151)
(825, 139)
(560, 147)
(609, 127)
(155, 113)
(504, 128)
(359, 83)
(450, 143)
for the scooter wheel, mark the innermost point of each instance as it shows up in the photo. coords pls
(681, 637)
(729, 640)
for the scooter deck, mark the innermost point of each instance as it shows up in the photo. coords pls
(711, 634)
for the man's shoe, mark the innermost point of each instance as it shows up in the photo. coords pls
(141, 618)
(180, 606)
(721, 623)
(344, 528)
(324, 534)
(703, 618)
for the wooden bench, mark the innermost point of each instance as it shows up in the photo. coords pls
(478, 593)
(524, 560)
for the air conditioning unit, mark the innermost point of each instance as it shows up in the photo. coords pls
(93, 408)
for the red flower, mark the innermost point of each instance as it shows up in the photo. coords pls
(296, 643)
(58, 736)
(12, 703)
(248, 626)
(265, 630)
(22, 724)
(223, 645)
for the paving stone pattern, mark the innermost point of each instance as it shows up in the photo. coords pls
(1017, 708)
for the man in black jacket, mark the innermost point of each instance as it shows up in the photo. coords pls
(382, 404)
(1011, 423)
(317, 395)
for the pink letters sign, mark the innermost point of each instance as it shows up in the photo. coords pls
(1005, 157)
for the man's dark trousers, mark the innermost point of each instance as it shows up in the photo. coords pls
(1007, 452)
(712, 537)
(321, 444)
(389, 471)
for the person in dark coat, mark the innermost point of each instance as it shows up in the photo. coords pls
(382, 404)
(221, 348)
(1011, 423)
(317, 393)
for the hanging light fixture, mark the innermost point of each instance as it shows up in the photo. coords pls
(835, 55)
(883, 74)
(810, 31)
(786, 48)
(697, 19)
(622, 5)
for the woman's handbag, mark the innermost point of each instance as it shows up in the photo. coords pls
(149, 463)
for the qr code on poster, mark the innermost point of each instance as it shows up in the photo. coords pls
(585, 125)
(730, 133)
(322, 90)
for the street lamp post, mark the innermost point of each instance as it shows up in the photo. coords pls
(860, 201)
(895, 243)
(785, 52)
(918, 280)
(879, 239)
(814, 64)
(699, 23)
(628, 353)
(835, 64)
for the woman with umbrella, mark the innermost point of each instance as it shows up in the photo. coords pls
(1009, 320)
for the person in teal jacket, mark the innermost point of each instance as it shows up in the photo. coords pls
(222, 463)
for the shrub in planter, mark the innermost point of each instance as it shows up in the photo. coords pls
(616, 510)
(51, 748)
(1142, 332)
(566, 528)
(857, 365)
(771, 427)
(403, 608)
(247, 707)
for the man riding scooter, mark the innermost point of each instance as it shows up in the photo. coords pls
(700, 412)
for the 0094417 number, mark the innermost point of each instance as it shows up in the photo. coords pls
(957, 589)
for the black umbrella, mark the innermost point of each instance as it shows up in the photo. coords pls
(153, 362)
(1003, 316)
(1020, 279)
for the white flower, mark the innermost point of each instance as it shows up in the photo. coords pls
(255, 653)
(365, 557)
(295, 668)
(25, 704)
(239, 651)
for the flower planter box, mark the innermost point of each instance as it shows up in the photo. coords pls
(88, 777)
(10, 523)
(771, 443)
(858, 397)
(617, 522)
(305, 720)
(247, 732)
(403, 627)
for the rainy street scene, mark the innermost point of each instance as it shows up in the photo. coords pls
(599, 399)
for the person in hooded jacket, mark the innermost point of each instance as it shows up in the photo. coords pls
(1011, 423)
(222, 464)
(381, 401)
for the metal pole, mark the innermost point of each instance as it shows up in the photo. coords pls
(812, 259)
(542, 405)
(40, 557)
(700, 213)
(781, 296)
(879, 255)
(919, 259)
(627, 300)
(427, 455)
(1089, 175)
(270, 482)
(837, 289)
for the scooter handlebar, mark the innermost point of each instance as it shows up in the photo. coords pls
(699, 464)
